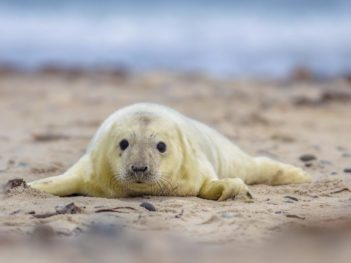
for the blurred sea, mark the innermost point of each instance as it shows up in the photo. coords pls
(246, 38)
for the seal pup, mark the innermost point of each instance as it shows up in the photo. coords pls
(149, 149)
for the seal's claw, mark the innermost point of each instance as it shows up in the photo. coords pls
(249, 195)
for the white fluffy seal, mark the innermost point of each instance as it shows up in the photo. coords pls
(154, 150)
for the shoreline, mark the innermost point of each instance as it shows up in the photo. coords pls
(297, 73)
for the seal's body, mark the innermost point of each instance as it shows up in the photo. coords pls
(151, 149)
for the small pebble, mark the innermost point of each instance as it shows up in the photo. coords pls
(148, 206)
(291, 198)
(307, 157)
(347, 170)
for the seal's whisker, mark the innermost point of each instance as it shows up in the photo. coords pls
(163, 188)
(165, 184)
(159, 186)
(164, 177)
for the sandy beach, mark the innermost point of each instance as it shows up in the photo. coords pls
(49, 117)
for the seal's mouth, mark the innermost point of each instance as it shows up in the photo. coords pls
(137, 181)
(139, 177)
(140, 187)
(141, 182)
(132, 180)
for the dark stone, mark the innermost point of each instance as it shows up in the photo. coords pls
(15, 183)
(148, 206)
(307, 157)
(291, 198)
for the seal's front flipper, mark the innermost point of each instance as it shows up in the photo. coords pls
(224, 189)
(61, 185)
(69, 183)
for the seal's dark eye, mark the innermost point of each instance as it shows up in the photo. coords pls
(161, 147)
(123, 144)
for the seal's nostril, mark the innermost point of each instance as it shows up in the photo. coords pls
(137, 169)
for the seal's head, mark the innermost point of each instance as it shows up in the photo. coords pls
(145, 153)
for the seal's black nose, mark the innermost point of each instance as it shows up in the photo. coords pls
(138, 169)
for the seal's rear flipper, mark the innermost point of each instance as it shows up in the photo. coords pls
(273, 172)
